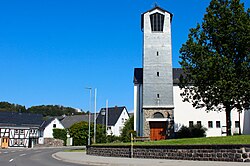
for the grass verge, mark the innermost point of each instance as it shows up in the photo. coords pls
(233, 140)
(75, 150)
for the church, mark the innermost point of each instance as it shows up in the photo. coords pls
(159, 111)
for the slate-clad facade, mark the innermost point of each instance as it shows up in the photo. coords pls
(153, 88)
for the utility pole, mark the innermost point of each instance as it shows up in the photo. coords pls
(107, 117)
(90, 97)
(95, 117)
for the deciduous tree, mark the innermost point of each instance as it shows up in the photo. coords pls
(215, 59)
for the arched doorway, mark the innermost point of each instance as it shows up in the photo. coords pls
(158, 127)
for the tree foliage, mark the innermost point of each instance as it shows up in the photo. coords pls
(127, 130)
(191, 132)
(215, 59)
(52, 110)
(60, 134)
(79, 132)
(6, 106)
(45, 110)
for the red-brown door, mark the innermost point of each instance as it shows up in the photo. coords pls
(157, 130)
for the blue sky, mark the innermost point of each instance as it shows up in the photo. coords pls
(50, 50)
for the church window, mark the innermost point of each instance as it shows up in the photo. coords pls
(199, 123)
(158, 115)
(158, 74)
(158, 96)
(157, 22)
(217, 124)
(191, 123)
(210, 124)
(157, 53)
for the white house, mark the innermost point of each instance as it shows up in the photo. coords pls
(48, 126)
(117, 116)
(158, 106)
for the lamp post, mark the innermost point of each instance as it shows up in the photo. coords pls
(95, 118)
(90, 96)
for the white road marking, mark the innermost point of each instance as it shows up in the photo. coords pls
(5, 152)
(13, 151)
(22, 154)
(11, 160)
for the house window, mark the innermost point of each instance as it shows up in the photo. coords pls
(54, 125)
(157, 22)
(217, 124)
(237, 124)
(122, 120)
(191, 124)
(21, 131)
(210, 124)
(199, 123)
(16, 131)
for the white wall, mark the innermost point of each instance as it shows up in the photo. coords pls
(138, 115)
(48, 131)
(184, 112)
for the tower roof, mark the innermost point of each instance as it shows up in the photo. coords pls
(155, 8)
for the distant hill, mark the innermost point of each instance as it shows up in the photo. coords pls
(45, 110)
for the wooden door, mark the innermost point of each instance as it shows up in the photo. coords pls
(157, 130)
(5, 142)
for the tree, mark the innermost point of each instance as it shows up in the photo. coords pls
(79, 132)
(6, 106)
(215, 60)
(60, 134)
(127, 130)
(52, 110)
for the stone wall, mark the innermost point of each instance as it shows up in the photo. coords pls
(149, 113)
(51, 142)
(232, 153)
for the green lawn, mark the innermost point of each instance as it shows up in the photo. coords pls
(75, 150)
(238, 139)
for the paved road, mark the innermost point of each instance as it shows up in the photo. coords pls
(31, 157)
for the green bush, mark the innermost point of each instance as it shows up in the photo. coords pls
(60, 134)
(79, 132)
(192, 132)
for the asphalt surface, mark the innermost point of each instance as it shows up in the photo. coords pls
(31, 157)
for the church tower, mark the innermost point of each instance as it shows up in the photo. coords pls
(154, 107)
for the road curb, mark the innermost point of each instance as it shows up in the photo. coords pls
(55, 156)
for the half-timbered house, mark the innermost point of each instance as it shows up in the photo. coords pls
(19, 129)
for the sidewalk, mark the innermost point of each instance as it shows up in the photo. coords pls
(82, 158)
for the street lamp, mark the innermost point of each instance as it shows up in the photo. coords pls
(95, 117)
(90, 96)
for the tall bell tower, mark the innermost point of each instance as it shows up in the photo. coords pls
(155, 113)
